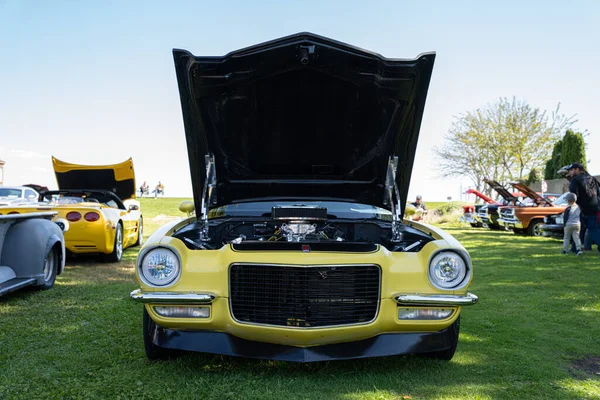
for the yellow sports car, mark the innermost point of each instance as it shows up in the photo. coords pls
(90, 207)
(301, 153)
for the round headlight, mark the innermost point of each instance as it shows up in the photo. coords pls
(160, 267)
(448, 270)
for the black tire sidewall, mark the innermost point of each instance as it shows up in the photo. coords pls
(532, 226)
(50, 282)
(140, 239)
(114, 256)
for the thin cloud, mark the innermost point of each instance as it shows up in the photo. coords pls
(38, 169)
(26, 154)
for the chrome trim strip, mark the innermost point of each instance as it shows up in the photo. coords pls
(441, 300)
(305, 266)
(171, 298)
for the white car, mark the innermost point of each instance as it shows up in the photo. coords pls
(17, 194)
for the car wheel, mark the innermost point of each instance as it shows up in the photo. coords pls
(140, 238)
(476, 225)
(534, 228)
(154, 352)
(51, 264)
(452, 335)
(117, 252)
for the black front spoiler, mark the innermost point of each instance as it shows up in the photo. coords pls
(387, 344)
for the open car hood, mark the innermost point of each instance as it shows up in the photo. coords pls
(527, 191)
(502, 191)
(301, 117)
(116, 178)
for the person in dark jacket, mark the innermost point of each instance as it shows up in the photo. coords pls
(585, 187)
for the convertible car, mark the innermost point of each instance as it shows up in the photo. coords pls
(301, 152)
(89, 201)
(32, 251)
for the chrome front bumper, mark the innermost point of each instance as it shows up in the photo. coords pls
(469, 217)
(437, 300)
(510, 223)
(171, 298)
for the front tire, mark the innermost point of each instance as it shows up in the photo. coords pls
(534, 228)
(117, 252)
(51, 265)
(154, 352)
(140, 238)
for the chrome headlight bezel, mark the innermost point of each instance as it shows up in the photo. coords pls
(465, 278)
(143, 258)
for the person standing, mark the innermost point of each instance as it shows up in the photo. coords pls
(572, 224)
(585, 187)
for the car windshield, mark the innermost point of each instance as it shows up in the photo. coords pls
(91, 197)
(67, 200)
(6, 192)
(335, 209)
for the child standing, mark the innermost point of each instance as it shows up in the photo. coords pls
(572, 224)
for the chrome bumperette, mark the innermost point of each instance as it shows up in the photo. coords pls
(510, 222)
(441, 300)
(171, 298)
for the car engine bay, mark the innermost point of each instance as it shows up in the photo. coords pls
(301, 228)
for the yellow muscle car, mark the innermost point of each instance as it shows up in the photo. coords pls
(90, 207)
(301, 152)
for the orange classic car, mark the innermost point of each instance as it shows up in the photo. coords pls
(527, 217)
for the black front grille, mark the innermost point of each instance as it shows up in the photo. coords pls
(304, 296)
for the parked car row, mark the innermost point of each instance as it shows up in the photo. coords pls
(295, 247)
(95, 206)
(523, 212)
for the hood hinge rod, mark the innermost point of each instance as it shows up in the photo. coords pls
(392, 198)
(208, 193)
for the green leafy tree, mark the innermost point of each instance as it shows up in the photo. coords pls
(573, 148)
(502, 141)
(554, 163)
(534, 176)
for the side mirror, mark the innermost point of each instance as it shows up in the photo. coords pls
(134, 207)
(187, 207)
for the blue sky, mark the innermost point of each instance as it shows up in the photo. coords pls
(93, 82)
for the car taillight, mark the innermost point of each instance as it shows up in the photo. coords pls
(73, 216)
(12, 212)
(91, 216)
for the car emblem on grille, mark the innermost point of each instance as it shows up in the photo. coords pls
(323, 274)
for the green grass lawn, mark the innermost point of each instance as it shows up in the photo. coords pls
(535, 334)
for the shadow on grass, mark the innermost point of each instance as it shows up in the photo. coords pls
(378, 378)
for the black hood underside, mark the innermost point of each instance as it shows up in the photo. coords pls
(301, 117)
